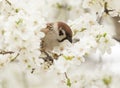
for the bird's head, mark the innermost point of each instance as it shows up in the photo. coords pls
(62, 30)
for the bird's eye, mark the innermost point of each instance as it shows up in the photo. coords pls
(61, 33)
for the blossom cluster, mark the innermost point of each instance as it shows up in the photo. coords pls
(20, 39)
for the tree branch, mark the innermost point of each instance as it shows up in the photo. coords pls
(8, 2)
(6, 52)
(13, 59)
(106, 10)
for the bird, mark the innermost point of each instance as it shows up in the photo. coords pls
(55, 34)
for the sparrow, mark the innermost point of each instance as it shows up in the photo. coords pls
(55, 34)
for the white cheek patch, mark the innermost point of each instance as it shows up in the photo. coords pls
(56, 31)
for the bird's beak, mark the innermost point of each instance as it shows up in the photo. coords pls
(69, 39)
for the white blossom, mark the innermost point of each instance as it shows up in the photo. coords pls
(21, 64)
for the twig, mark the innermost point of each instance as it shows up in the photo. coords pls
(66, 75)
(33, 69)
(106, 10)
(68, 80)
(8, 2)
(6, 52)
(13, 59)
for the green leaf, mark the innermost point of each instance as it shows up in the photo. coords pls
(59, 5)
(69, 8)
(107, 80)
(2, 32)
(19, 21)
(68, 82)
(16, 10)
(68, 57)
(104, 35)
(99, 36)
(83, 29)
